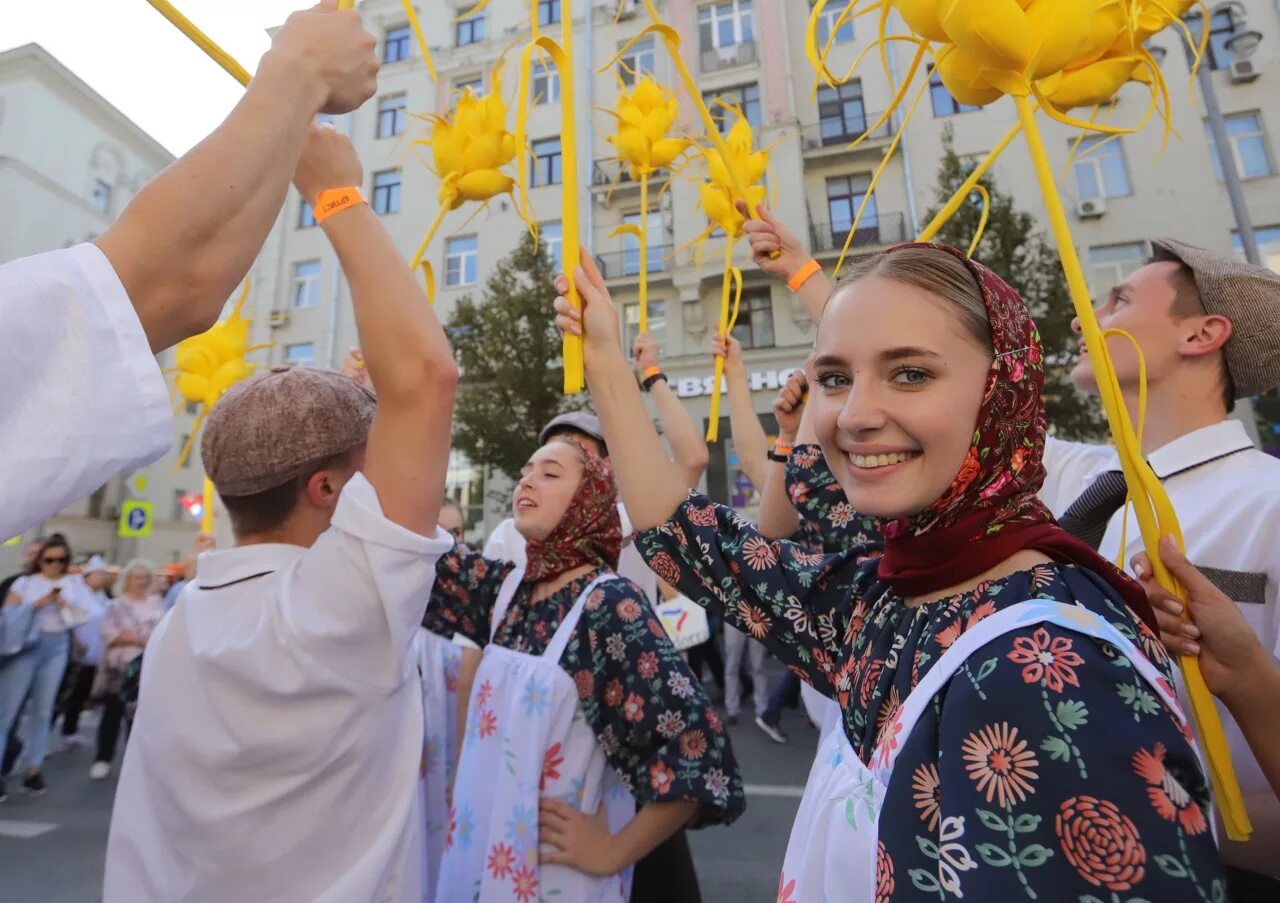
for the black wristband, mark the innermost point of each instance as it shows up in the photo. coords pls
(648, 383)
(774, 456)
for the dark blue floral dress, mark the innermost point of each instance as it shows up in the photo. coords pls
(652, 719)
(1074, 780)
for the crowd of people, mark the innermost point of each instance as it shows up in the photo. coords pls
(72, 638)
(350, 704)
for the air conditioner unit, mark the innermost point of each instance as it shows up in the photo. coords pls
(278, 318)
(1091, 209)
(1242, 72)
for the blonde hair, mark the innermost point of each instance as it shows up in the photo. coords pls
(937, 272)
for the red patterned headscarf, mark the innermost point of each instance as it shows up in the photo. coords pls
(992, 509)
(590, 532)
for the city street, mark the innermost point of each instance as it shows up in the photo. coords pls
(52, 848)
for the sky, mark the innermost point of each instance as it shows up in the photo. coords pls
(144, 66)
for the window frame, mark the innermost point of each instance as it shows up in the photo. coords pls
(400, 37)
(743, 10)
(1259, 135)
(305, 287)
(474, 27)
(544, 70)
(462, 257)
(657, 322)
(631, 61)
(399, 115)
(288, 351)
(553, 13)
(839, 103)
(853, 198)
(385, 199)
(723, 119)
(830, 15)
(1112, 149)
(935, 86)
(553, 162)
(755, 301)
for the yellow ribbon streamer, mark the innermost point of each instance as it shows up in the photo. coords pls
(731, 275)
(1153, 510)
(416, 27)
(202, 40)
(206, 507)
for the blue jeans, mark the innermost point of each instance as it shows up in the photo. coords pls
(785, 692)
(37, 672)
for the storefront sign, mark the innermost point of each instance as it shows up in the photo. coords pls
(759, 380)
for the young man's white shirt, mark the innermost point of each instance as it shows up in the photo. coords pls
(1227, 496)
(84, 396)
(506, 544)
(276, 748)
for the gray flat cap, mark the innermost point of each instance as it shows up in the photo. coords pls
(579, 421)
(1248, 296)
(270, 428)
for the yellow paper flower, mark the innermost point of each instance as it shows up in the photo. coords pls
(718, 196)
(645, 116)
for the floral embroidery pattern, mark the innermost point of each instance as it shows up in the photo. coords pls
(1047, 659)
(1000, 763)
(1168, 797)
(1101, 843)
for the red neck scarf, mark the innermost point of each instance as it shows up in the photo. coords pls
(590, 532)
(992, 510)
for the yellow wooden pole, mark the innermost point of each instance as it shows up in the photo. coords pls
(202, 40)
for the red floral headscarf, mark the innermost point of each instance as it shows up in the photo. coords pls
(992, 510)
(590, 532)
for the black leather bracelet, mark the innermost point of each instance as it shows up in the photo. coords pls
(774, 456)
(648, 383)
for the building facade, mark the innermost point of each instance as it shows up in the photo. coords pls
(69, 163)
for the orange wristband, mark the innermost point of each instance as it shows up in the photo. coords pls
(335, 200)
(803, 275)
(652, 371)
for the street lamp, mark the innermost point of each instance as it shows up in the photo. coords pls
(1244, 43)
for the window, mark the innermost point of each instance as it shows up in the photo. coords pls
(301, 354)
(830, 15)
(474, 83)
(546, 82)
(631, 323)
(943, 103)
(548, 12)
(1221, 28)
(470, 31)
(546, 162)
(842, 116)
(655, 236)
(461, 260)
(391, 116)
(551, 237)
(1101, 171)
(1112, 264)
(742, 97)
(306, 284)
(101, 197)
(844, 196)
(306, 216)
(1248, 147)
(755, 320)
(326, 119)
(182, 443)
(395, 45)
(179, 511)
(386, 191)
(725, 25)
(1268, 239)
(637, 62)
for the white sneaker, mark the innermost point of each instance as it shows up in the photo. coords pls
(99, 771)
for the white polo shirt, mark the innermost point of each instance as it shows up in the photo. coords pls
(1227, 496)
(279, 731)
(84, 398)
(506, 544)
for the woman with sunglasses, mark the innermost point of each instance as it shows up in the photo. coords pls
(1008, 725)
(56, 601)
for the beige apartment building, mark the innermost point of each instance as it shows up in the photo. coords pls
(750, 52)
(69, 163)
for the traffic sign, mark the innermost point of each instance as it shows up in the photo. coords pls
(138, 484)
(135, 520)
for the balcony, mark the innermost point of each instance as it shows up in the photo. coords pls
(874, 232)
(713, 59)
(626, 264)
(832, 137)
(612, 176)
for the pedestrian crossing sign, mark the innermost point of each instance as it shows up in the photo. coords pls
(135, 520)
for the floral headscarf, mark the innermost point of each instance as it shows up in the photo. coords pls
(590, 532)
(992, 509)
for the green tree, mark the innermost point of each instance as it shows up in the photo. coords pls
(508, 352)
(1014, 247)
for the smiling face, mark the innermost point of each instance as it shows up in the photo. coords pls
(899, 380)
(547, 486)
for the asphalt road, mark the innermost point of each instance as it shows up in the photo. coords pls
(52, 847)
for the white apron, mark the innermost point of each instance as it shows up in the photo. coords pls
(831, 856)
(526, 739)
(438, 661)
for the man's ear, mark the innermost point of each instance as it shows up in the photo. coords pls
(1204, 335)
(322, 489)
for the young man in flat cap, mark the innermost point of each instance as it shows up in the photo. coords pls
(1209, 329)
(276, 748)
